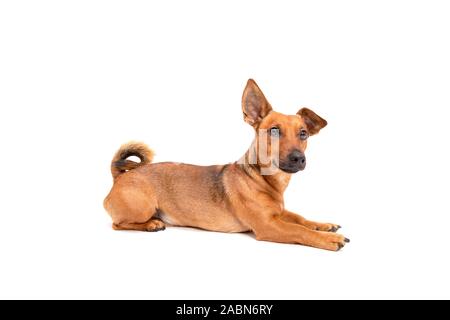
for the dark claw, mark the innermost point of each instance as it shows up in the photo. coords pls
(334, 229)
(339, 227)
(340, 246)
(346, 240)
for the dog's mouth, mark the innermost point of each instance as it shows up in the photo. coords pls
(291, 168)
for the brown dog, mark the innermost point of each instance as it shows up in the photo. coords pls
(240, 197)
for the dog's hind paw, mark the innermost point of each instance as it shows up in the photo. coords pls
(155, 225)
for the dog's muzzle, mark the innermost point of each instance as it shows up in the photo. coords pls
(295, 161)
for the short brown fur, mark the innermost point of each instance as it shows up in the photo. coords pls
(227, 198)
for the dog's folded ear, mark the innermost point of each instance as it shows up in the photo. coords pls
(254, 105)
(313, 122)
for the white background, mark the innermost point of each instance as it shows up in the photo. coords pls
(78, 78)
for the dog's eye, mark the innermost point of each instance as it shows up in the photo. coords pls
(303, 135)
(274, 132)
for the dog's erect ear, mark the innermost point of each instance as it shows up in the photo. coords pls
(254, 105)
(312, 120)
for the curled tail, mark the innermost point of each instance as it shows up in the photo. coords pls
(120, 164)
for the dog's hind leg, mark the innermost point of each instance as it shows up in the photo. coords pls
(133, 206)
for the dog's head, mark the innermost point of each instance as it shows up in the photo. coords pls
(283, 138)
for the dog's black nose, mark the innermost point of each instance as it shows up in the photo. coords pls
(293, 162)
(297, 157)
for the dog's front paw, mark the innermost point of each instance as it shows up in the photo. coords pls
(334, 241)
(327, 227)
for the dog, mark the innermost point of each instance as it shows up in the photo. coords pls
(245, 196)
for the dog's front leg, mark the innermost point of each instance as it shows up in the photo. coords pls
(275, 229)
(298, 219)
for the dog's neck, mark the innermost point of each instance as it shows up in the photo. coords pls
(277, 179)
